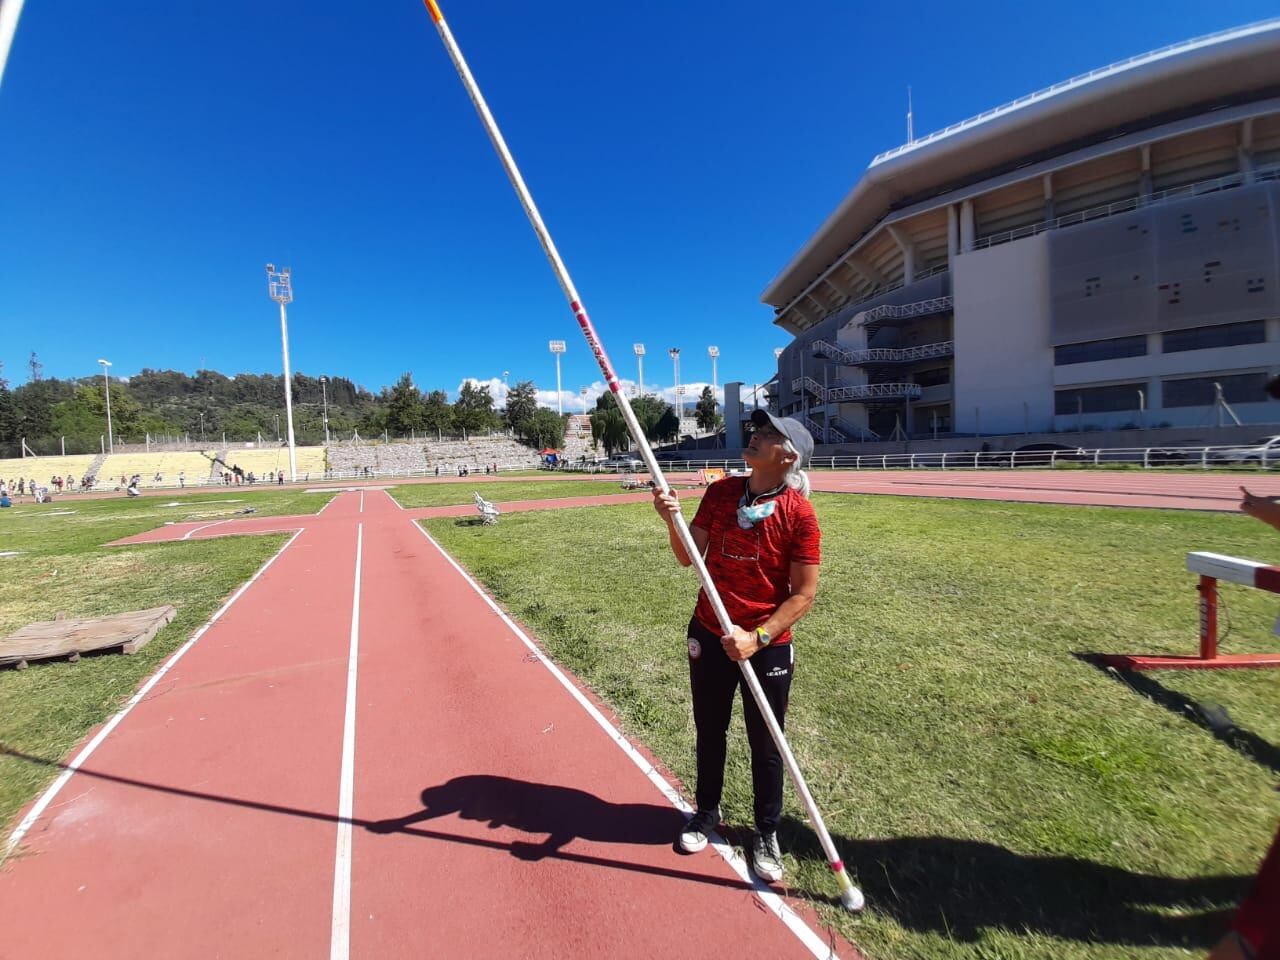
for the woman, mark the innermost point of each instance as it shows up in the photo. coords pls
(759, 537)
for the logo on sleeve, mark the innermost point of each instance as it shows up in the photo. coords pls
(695, 649)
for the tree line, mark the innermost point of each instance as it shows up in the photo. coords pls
(52, 414)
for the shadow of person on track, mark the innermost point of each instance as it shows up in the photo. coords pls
(562, 813)
(959, 888)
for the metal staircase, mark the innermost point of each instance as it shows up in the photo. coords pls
(854, 358)
(858, 393)
(887, 311)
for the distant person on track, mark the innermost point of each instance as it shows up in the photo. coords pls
(182, 479)
(760, 539)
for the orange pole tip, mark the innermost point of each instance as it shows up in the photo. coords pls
(433, 10)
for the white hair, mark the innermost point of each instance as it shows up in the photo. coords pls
(796, 478)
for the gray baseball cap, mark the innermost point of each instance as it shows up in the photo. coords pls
(790, 428)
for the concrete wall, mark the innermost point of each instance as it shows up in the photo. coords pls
(1003, 357)
(1190, 262)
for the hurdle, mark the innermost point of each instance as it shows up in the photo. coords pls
(1211, 567)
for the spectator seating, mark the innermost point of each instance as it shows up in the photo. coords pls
(264, 460)
(167, 463)
(42, 468)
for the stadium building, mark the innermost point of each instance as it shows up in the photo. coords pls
(1101, 254)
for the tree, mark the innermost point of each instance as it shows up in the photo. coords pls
(608, 428)
(667, 426)
(545, 429)
(657, 417)
(438, 415)
(474, 408)
(705, 412)
(522, 404)
(405, 411)
(8, 413)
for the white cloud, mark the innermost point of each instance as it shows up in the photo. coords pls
(572, 399)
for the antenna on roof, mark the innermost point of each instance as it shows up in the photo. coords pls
(910, 136)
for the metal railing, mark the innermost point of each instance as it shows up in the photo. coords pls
(853, 358)
(856, 393)
(1079, 79)
(891, 311)
(828, 434)
(1200, 188)
(1150, 458)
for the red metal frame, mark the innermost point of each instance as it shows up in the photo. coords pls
(1209, 658)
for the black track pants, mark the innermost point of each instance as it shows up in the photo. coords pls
(714, 679)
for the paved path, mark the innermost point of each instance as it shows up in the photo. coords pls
(362, 758)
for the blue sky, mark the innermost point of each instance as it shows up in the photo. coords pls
(153, 157)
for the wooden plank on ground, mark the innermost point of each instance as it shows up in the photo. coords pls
(71, 637)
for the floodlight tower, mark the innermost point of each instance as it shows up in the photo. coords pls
(106, 383)
(324, 396)
(557, 347)
(714, 354)
(280, 287)
(639, 349)
(583, 391)
(674, 354)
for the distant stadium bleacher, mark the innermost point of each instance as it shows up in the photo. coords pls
(167, 464)
(310, 461)
(43, 468)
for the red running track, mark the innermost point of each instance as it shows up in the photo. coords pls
(1184, 491)
(491, 814)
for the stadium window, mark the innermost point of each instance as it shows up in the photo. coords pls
(1199, 391)
(1099, 350)
(1223, 335)
(1109, 399)
(932, 378)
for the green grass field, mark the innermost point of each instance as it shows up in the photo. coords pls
(62, 566)
(996, 795)
(448, 494)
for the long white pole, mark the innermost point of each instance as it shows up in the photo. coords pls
(10, 10)
(559, 397)
(288, 392)
(111, 443)
(850, 897)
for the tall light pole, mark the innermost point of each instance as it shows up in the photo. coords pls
(674, 354)
(106, 383)
(639, 349)
(714, 354)
(280, 287)
(557, 348)
(202, 425)
(277, 416)
(583, 391)
(324, 395)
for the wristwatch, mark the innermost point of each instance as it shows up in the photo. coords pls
(762, 637)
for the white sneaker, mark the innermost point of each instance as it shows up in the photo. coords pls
(766, 857)
(695, 833)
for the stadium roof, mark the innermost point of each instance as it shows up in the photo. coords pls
(1202, 70)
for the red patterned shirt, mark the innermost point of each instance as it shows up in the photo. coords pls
(752, 568)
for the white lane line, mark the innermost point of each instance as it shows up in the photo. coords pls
(187, 535)
(812, 941)
(340, 936)
(393, 499)
(327, 504)
(34, 814)
(362, 501)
